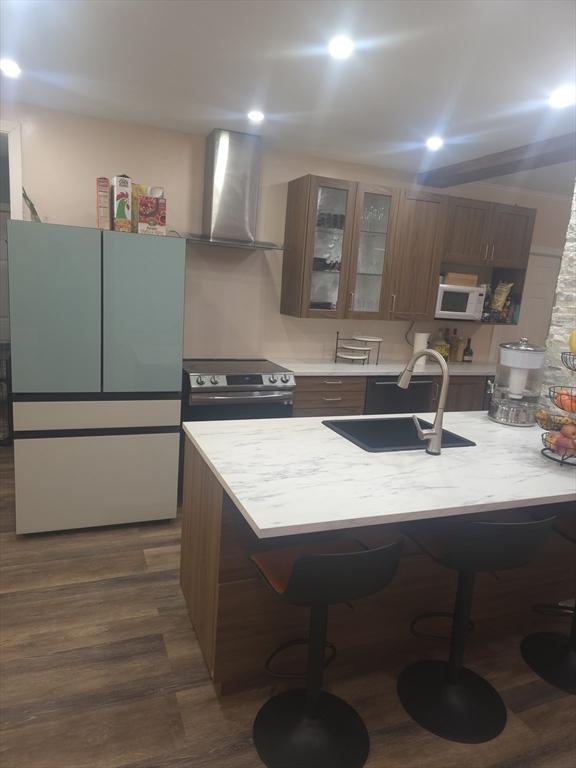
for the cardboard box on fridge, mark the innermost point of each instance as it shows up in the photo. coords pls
(151, 215)
(121, 203)
(102, 202)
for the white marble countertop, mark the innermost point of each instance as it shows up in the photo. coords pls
(393, 368)
(290, 476)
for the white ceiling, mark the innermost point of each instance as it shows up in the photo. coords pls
(476, 71)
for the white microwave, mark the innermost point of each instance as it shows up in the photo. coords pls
(460, 302)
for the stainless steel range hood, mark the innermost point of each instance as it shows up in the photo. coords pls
(231, 185)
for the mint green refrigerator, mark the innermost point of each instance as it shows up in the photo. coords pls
(96, 320)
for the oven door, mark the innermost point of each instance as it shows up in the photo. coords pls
(217, 406)
(458, 302)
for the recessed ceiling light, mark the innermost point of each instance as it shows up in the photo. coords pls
(340, 47)
(564, 96)
(9, 68)
(434, 143)
(255, 116)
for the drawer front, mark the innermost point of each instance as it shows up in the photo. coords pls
(330, 394)
(99, 414)
(80, 482)
(336, 383)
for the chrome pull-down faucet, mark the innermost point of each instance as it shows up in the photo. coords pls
(432, 436)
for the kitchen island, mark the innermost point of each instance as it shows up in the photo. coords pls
(252, 485)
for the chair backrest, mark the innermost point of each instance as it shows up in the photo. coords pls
(338, 578)
(493, 545)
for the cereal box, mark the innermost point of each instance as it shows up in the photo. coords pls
(121, 203)
(102, 202)
(152, 215)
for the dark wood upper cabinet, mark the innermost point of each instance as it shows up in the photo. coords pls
(336, 242)
(511, 230)
(354, 250)
(467, 231)
(416, 254)
(487, 234)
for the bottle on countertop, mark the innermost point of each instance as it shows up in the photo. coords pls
(455, 345)
(468, 352)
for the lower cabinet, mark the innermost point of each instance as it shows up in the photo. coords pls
(329, 395)
(80, 482)
(465, 393)
(356, 395)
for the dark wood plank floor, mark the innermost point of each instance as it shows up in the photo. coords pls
(100, 668)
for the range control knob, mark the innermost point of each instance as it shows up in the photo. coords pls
(272, 379)
(200, 380)
(214, 380)
(285, 378)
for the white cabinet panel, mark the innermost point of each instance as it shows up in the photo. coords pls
(80, 482)
(89, 414)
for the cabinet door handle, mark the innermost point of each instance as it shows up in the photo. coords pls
(393, 307)
(492, 253)
(331, 399)
(333, 381)
(486, 252)
(351, 302)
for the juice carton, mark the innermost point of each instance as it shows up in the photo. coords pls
(152, 215)
(102, 203)
(121, 203)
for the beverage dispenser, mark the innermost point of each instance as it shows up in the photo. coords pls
(517, 384)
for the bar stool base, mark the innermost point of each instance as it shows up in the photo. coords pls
(285, 738)
(549, 655)
(469, 711)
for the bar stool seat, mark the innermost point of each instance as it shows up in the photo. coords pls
(552, 655)
(446, 698)
(276, 565)
(310, 728)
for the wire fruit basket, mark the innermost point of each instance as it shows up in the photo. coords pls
(560, 438)
(569, 360)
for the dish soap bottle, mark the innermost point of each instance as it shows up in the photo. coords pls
(468, 353)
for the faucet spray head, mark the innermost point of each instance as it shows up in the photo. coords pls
(405, 377)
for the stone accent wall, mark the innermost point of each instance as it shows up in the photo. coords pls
(563, 314)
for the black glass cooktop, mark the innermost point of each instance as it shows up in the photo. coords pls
(399, 434)
(224, 366)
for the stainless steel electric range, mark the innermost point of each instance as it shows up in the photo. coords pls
(236, 389)
(213, 390)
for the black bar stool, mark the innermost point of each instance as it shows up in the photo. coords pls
(550, 654)
(446, 698)
(310, 728)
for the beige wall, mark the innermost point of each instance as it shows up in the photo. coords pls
(232, 297)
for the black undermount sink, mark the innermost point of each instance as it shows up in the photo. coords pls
(377, 435)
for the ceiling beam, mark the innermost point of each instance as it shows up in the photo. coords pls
(559, 149)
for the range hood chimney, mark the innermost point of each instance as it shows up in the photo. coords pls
(231, 185)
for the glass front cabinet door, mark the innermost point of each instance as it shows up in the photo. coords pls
(370, 242)
(329, 236)
(335, 253)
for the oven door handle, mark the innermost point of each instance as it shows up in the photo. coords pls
(240, 398)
